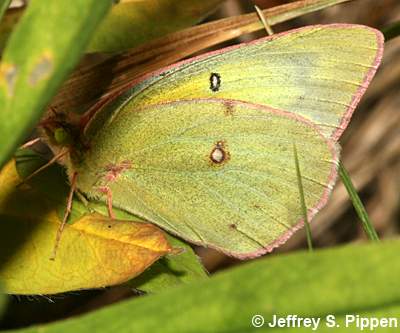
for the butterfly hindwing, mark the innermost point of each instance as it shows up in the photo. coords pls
(215, 172)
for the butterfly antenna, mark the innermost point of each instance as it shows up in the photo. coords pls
(66, 215)
(264, 21)
(30, 143)
(45, 166)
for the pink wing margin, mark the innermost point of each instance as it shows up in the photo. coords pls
(380, 40)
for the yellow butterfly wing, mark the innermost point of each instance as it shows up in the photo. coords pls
(219, 173)
(200, 148)
(319, 72)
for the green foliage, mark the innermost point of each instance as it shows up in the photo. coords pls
(171, 271)
(349, 280)
(3, 7)
(43, 49)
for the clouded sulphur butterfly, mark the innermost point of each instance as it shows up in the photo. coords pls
(204, 148)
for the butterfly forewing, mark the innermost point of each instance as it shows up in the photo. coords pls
(319, 72)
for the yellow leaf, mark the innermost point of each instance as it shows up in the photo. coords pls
(94, 251)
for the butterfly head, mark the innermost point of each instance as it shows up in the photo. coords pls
(57, 132)
(60, 131)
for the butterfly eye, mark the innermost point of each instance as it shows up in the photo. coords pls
(61, 136)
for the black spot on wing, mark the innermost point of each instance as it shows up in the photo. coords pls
(215, 82)
(219, 154)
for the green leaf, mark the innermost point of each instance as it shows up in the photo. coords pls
(171, 271)
(3, 7)
(392, 31)
(132, 23)
(356, 279)
(44, 47)
(7, 24)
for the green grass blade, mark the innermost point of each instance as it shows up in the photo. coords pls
(358, 206)
(356, 279)
(43, 49)
(3, 7)
(391, 31)
(302, 199)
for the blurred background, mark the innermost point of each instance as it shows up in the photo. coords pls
(371, 154)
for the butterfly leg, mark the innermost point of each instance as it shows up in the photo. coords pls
(82, 198)
(109, 204)
(107, 191)
(66, 215)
